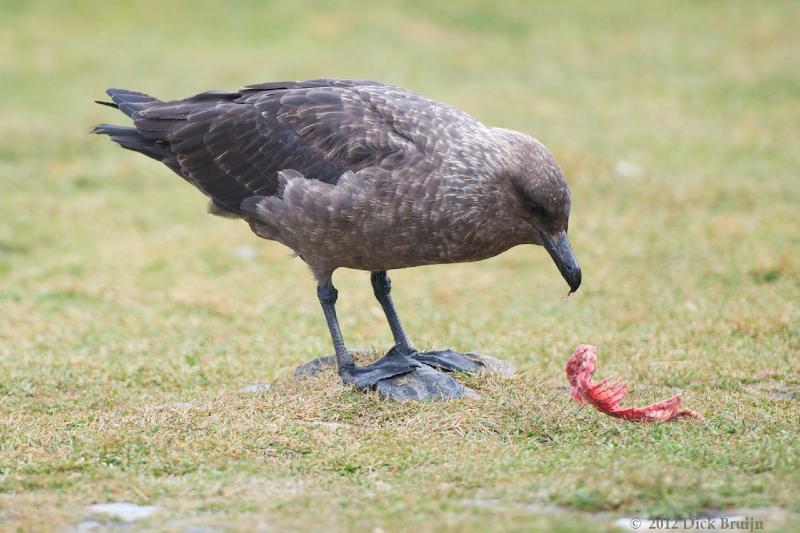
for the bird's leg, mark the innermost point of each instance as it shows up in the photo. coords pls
(392, 364)
(328, 295)
(448, 360)
(382, 287)
(396, 375)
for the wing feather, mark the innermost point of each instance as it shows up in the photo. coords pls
(232, 145)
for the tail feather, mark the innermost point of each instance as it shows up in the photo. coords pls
(150, 138)
(130, 138)
(129, 102)
(109, 104)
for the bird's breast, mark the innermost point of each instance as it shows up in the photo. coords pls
(444, 226)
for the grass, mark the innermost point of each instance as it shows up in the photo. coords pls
(129, 319)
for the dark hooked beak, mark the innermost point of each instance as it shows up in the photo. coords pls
(561, 252)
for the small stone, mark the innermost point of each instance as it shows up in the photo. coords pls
(245, 252)
(87, 525)
(627, 169)
(326, 363)
(779, 394)
(315, 367)
(256, 388)
(123, 511)
(493, 364)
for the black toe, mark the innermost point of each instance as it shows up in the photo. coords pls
(394, 363)
(449, 361)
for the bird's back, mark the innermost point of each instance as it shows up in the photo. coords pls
(231, 145)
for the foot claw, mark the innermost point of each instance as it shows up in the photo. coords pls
(469, 362)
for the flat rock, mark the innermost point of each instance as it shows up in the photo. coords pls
(122, 511)
(315, 367)
(423, 383)
(493, 364)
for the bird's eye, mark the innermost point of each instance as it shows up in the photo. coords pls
(537, 209)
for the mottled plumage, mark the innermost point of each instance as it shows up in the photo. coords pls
(351, 173)
(358, 174)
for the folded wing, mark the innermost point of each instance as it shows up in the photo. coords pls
(232, 145)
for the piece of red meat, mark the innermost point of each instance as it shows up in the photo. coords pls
(607, 394)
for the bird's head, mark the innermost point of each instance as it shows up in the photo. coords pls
(546, 202)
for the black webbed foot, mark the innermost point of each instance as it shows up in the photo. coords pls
(396, 376)
(467, 362)
(449, 361)
(425, 382)
(394, 363)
